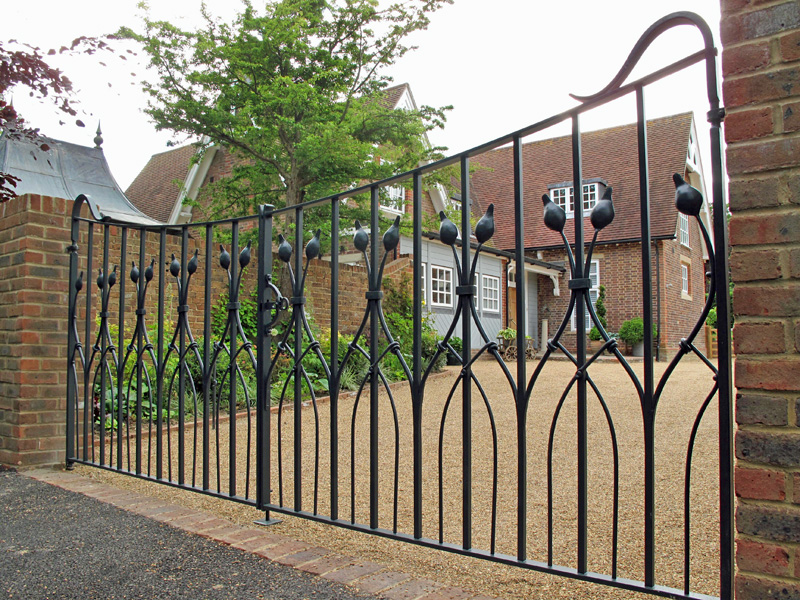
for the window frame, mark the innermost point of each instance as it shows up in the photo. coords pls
(684, 233)
(686, 278)
(494, 300)
(435, 279)
(564, 196)
(595, 289)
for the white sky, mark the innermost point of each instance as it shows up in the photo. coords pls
(502, 64)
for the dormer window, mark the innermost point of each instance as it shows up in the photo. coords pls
(563, 194)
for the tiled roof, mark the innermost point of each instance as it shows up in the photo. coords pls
(608, 154)
(393, 94)
(155, 189)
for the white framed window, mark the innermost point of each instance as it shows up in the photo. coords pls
(686, 278)
(441, 286)
(589, 197)
(393, 198)
(683, 229)
(594, 292)
(511, 276)
(565, 198)
(490, 293)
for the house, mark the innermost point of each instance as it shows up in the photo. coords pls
(170, 178)
(609, 159)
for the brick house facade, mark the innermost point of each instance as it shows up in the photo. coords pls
(609, 159)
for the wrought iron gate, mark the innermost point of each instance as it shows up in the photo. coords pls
(149, 398)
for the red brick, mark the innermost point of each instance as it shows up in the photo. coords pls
(775, 228)
(302, 557)
(762, 558)
(790, 46)
(742, 59)
(766, 156)
(748, 124)
(412, 590)
(756, 588)
(290, 547)
(327, 564)
(379, 582)
(760, 87)
(773, 374)
(759, 23)
(759, 409)
(767, 301)
(353, 572)
(759, 338)
(760, 484)
(791, 117)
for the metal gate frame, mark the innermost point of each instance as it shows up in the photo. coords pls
(102, 362)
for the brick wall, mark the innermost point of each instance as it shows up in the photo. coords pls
(620, 272)
(33, 330)
(761, 91)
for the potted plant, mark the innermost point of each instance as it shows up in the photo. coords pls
(632, 333)
(458, 345)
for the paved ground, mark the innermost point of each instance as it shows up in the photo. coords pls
(62, 537)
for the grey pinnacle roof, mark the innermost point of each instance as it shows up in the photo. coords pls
(65, 171)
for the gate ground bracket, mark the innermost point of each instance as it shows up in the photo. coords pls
(265, 521)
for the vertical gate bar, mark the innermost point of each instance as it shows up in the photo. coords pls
(181, 358)
(103, 345)
(335, 373)
(88, 403)
(416, 391)
(139, 354)
(647, 313)
(580, 326)
(298, 350)
(466, 337)
(72, 342)
(233, 296)
(263, 357)
(162, 276)
(374, 351)
(207, 271)
(724, 376)
(123, 255)
(522, 377)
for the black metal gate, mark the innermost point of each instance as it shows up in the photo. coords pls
(149, 398)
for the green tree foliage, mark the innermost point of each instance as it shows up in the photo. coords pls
(295, 91)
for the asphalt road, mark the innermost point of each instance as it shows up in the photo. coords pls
(56, 544)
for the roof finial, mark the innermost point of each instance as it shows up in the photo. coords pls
(98, 139)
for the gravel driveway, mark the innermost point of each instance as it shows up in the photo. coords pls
(678, 408)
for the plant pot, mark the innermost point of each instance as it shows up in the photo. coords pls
(595, 345)
(638, 348)
(452, 360)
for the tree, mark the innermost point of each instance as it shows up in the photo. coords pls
(294, 92)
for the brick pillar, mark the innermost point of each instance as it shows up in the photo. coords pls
(761, 90)
(33, 330)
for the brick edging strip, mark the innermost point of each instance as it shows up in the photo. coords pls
(373, 578)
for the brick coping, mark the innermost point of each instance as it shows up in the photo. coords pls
(366, 576)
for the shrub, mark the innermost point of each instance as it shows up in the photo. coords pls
(632, 330)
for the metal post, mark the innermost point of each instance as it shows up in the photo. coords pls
(162, 277)
(374, 351)
(208, 270)
(233, 299)
(181, 358)
(580, 327)
(416, 383)
(522, 378)
(297, 309)
(466, 336)
(263, 363)
(335, 371)
(647, 313)
(72, 342)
